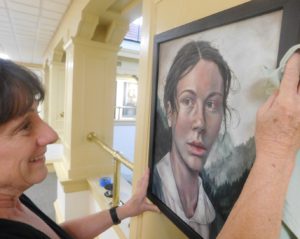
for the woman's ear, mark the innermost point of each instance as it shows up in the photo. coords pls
(169, 114)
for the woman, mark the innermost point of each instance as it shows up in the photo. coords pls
(195, 101)
(23, 140)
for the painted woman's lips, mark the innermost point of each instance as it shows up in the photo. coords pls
(197, 148)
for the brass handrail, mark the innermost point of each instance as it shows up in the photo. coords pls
(119, 158)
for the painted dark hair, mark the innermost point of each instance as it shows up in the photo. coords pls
(19, 89)
(186, 59)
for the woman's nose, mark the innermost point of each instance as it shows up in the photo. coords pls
(199, 119)
(46, 135)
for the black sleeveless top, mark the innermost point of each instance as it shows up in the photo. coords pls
(10, 229)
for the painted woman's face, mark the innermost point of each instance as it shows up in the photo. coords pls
(196, 125)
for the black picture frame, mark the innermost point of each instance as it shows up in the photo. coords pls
(276, 24)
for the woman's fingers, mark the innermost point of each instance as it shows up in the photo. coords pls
(268, 104)
(143, 183)
(151, 207)
(290, 80)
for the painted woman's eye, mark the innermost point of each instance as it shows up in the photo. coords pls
(187, 102)
(213, 105)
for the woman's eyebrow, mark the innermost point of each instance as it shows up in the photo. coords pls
(187, 91)
(212, 94)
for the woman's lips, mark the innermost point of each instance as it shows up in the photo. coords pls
(197, 149)
(40, 158)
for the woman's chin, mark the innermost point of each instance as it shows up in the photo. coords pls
(39, 176)
(196, 165)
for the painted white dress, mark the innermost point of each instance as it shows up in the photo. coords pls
(204, 214)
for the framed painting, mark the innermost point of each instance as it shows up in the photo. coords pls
(209, 79)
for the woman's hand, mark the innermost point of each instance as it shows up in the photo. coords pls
(278, 120)
(258, 210)
(138, 202)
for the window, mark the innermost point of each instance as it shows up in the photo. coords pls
(126, 99)
(134, 32)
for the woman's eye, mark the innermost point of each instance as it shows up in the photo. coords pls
(26, 126)
(187, 102)
(213, 105)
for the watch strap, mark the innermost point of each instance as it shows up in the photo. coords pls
(114, 215)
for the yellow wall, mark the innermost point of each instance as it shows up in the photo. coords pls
(160, 16)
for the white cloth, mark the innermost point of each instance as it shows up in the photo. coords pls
(204, 214)
(274, 76)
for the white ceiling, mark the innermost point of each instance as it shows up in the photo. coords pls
(27, 26)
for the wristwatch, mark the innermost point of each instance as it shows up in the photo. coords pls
(114, 215)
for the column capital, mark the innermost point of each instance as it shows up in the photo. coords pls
(78, 41)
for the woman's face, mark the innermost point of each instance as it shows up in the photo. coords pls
(196, 125)
(23, 142)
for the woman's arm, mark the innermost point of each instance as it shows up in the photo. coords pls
(92, 225)
(258, 211)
